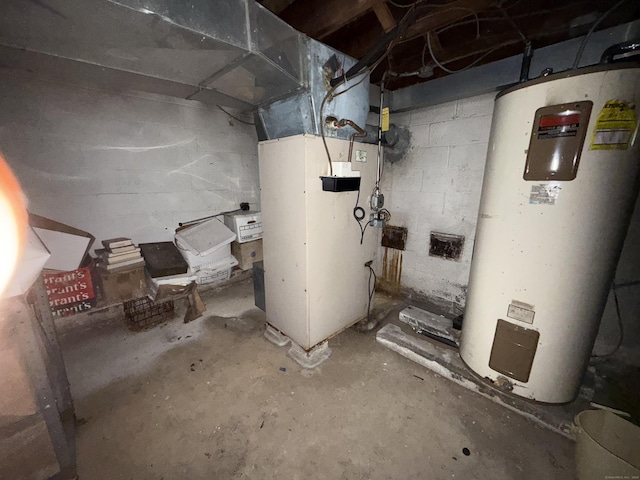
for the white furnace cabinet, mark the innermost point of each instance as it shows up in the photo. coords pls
(316, 282)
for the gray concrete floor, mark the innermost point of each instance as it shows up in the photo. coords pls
(209, 400)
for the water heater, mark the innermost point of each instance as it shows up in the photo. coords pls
(560, 183)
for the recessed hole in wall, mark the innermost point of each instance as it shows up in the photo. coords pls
(446, 245)
(394, 237)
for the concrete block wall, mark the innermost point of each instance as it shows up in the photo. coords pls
(132, 165)
(437, 187)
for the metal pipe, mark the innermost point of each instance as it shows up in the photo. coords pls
(368, 59)
(360, 133)
(619, 49)
(526, 62)
(380, 134)
(585, 40)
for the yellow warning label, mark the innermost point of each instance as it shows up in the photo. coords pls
(615, 127)
(385, 119)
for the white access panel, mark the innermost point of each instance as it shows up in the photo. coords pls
(316, 283)
(546, 251)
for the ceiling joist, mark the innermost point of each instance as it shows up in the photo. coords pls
(385, 17)
(320, 18)
(461, 31)
(445, 15)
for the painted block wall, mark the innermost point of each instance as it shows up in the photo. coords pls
(437, 187)
(131, 165)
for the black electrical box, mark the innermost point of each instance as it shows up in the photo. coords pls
(340, 184)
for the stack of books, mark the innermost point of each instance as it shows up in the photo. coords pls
(119, 253)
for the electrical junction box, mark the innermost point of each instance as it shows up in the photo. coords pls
(340, 184)
(246, 225)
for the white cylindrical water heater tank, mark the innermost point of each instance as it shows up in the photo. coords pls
(559, 188)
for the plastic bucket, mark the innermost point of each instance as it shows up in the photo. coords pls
(606, 446)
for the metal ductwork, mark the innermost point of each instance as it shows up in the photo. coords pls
(233, 53)
(300, 112)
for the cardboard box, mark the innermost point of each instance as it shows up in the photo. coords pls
(123, 285)
(70, 292)
(247, 225)
(68, 245)
(34, 256)
(247, 253)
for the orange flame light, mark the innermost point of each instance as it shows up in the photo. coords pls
(13, 223)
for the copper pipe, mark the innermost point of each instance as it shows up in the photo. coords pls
(360, 133)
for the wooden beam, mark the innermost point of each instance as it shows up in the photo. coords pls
(409, 54)
(476, 47)
(436, 46)
(360, 44)
(384, 16)
(445, 15)
(358, 37)
(276, 6)
(410, 59)
(320, 18)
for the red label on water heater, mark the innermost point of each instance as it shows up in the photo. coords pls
(554, 126)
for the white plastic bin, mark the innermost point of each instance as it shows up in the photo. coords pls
(606, 446)
(207, 276)
(206, 245)
(210, 261)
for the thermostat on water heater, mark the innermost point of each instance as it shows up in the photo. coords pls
(556, 141)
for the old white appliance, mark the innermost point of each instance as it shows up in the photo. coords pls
(559, 187)
(316, 281)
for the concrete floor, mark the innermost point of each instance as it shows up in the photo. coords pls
(209, 400)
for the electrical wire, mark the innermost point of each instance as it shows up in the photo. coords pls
(358, 212)
(397, 32)
(591, 30)
(465, 22)
(234, 117)
(473, 12)
(513, 4)
(324, 140)
(331, 94)
(363, 231)
(190, 222)
(409, 5)
(428, 44)
(513, 23)
(359, 215)
(502, 18)
(614, 287)
(365, 73)
(372, 289)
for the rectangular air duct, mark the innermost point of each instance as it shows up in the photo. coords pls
(234, 53)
